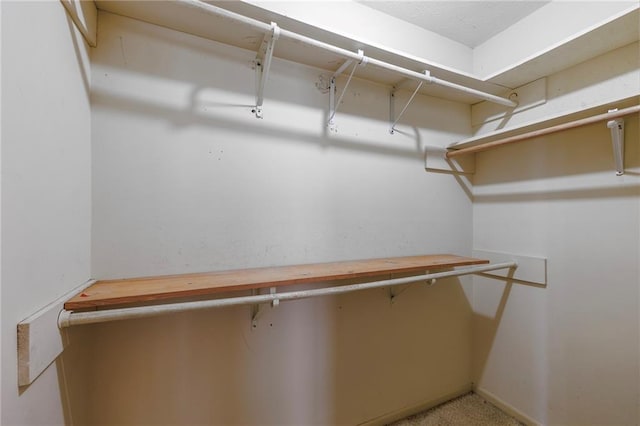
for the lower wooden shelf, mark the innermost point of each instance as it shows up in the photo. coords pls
(109, 293)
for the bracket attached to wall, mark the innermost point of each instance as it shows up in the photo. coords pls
(263, 64)
(617, 140)
(392, 119)
(435, 160)
(394, 293)
(333, 105)
(257, 309)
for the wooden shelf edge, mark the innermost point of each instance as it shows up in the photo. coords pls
(109, 293)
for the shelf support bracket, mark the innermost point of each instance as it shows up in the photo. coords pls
(333, 105)
(617, 140)
(257, 309)
(392, 104)
(263, 65)
(393, 294)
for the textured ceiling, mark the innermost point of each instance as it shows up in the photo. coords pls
(468, 22)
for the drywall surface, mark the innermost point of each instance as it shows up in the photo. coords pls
(186, 179)
(603, 80)
(568, 353)
(46, 198)
(552, 24)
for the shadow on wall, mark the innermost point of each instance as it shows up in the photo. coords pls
(188, 81)
(580, 151)
(485, 327)
(181, 58)
(190, 117)
(333, 360)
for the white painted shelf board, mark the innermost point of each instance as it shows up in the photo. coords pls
(177, 17)
(546, 122)
(612, 33)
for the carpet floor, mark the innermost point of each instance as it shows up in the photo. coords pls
(469, 409)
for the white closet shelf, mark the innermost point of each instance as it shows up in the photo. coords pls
(486, 141)
(190, 18)
(614, 119)
(609, 34)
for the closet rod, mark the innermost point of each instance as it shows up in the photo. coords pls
(69, 318)
(219, 12)
(553, 129)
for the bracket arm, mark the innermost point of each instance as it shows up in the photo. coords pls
(617, 140)
(333, 105)
(263, 65)
(391, 102)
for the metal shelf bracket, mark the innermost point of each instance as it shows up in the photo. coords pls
(263, 65)
(333, 105)
(393, 120)
(617, 140)
(394, 294)
(257, 309)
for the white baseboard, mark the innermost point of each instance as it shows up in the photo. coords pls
(414, 409)
(510, 410)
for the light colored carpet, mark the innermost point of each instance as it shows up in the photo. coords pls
(469, 409)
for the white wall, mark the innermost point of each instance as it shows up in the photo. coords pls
(186, 179)
(46, 201)
(569, 353)
(553, 24)
(603, 80)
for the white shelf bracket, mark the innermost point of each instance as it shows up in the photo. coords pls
(394, 120)
(257, 309)
(333, 105)
(263, 65)
(617, 140)
(394, 294)
(435, 160)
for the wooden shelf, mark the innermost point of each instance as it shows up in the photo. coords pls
(108, 293)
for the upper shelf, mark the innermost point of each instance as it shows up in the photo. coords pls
(131, 291)
(609, 34)
(543, 123)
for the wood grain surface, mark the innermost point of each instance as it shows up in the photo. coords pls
(161, 288)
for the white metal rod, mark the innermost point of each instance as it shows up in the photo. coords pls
(477, 93)
(210, 9)
(68, 318)
(214, 10)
